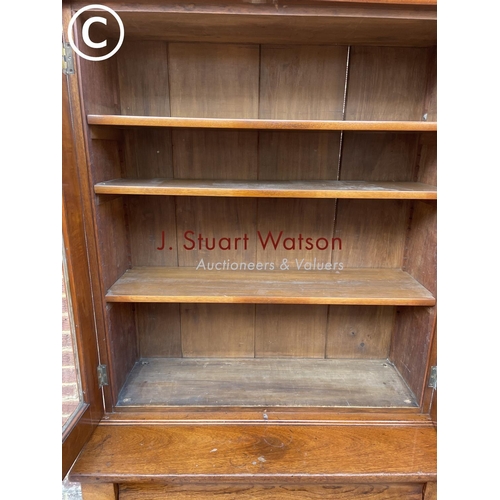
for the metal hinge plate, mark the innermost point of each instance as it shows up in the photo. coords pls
(68, 59)
(433, 377)
(102, 375)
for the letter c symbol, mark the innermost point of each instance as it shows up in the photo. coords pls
(85, 32)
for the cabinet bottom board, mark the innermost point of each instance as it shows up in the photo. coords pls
(264, 382)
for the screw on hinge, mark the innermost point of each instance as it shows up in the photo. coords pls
(424, 117)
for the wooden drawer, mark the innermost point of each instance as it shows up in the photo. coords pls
(269, 492)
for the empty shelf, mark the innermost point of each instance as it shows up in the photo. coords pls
(350, 286)
(260, 124)
(270, 189)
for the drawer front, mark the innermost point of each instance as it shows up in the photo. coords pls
(280, 492)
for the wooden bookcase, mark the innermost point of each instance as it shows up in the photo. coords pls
(259, 188)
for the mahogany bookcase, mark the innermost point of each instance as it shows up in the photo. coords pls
(250, 216)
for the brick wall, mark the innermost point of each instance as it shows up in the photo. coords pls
(70, 397)
(70, 491)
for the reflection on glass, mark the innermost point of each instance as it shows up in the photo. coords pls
(71, 391)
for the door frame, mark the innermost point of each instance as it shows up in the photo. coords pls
(75, 230)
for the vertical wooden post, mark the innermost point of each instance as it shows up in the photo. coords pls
(430, 491)
(103, 491)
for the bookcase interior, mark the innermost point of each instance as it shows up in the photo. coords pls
(348, 322)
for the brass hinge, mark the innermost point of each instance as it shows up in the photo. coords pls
(102, 375)
(433, 378)
(68, 59)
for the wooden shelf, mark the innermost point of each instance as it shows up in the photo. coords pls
(350, 286)
(164, 121)
(270, 189)
(265, 382)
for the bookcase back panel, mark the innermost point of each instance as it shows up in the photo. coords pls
(295, 232)
(359, 332)
(302, 83)
(217, 80)
(148, 219)
(379, 156)
(298, 155)
(372, 232)
(202, 231)
(387, 83)
(218, 330)
(272, 155)
(143, 79)
(147, 153)
(215, 230)
(263, 330)
(214, 80)
(239, 155)
(215, 154)
(158, 330)
(288, 331)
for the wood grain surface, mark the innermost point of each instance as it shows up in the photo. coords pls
(206, 108)
(106, 491)
(382, 156)
(214, 80)
(218, 330)
(158, 330)
(148, 217)
(314, 218)
(373, 232)
(242, 123)
(264, 382)
(276, 22)
(143, 79)
(430, 490)
(359, 332)
(147, 153)
(352, 286)
(215, 154)
(272, 492)
(302, 83)
(290, 330)
(387, 83)
(78, 254)
(397, 417)
(298, 155)
(269, 189)
(291, 454)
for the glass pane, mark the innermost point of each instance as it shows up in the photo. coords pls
(71, 387)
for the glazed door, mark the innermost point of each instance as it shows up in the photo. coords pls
(89, 408)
